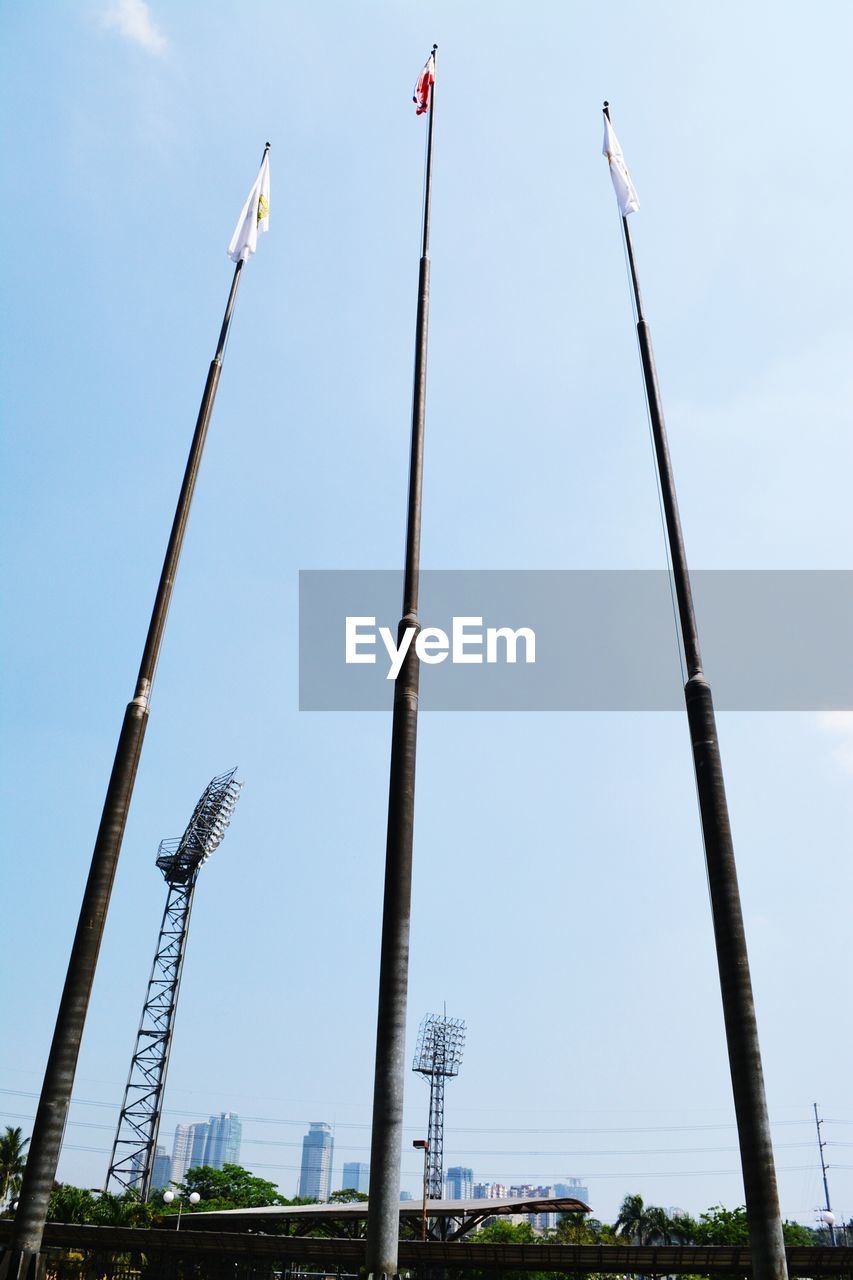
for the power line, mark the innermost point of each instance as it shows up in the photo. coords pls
(470, 1151)
(534, 1177)
(623, 1129)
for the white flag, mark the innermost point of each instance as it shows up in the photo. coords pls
(254, 216)
(626, 194)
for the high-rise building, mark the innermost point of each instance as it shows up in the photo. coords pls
(572, 1188)
(459, 1183)
(315, 1176)
(222, 1145)
(356, 1176)
(161, 1174)
(198, 1143)
(405, 1195)
(489, 1191)
(188, 1149)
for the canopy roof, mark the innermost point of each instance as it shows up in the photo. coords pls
(410, 1210)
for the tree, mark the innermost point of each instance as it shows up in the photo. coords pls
(657, 1226)
(577, 1228)
(643, 1223)
(719, 1225)
(347, 1196)
(682, 1228)
(631, 1221)
(230, 1187)
(79, 1205)
(795, 1233)
(12, 1160)
(503, 1232)
(70, 1204)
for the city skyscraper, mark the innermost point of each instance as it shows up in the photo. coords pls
(188, 1149)
(356, 1176)
(222, 1145)
(198, 1143)
(162, 1172)
(574, 1188)
(459, 1183)
(315, 1177)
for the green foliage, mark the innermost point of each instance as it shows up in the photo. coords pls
(230, 1187)
(719, 1225)
(503, 1232)
(80, 1205)
(643, 1223)
(796, 1233)
(12, 1160)
(577, 1228)
(347, 1196)
(682, 1228)
(631, 1218)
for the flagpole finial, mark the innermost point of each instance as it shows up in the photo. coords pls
(606, 108)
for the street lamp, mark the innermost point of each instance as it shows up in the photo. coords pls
(170, 1196)
(421, 1144)
(827, 1217)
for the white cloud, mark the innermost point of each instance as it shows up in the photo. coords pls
(132, 18)
(840, 725)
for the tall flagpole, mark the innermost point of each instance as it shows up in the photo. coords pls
(20, 1262)
(756, 1149)
(383, 1210)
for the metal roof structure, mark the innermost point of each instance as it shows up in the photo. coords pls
(299, 1218)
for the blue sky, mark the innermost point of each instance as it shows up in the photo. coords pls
(559, 897)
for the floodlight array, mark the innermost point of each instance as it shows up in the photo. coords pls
(180, 859)
(441, 1041)
(132, 1160)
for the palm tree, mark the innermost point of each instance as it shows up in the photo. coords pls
(658, 1228)
(682, 1228)
(632, 1219)
(12, 1161)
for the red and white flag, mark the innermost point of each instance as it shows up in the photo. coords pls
(423, 88)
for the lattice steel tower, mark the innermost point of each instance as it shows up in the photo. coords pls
(438, 1057)
(132, 1160)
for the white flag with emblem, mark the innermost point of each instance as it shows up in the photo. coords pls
(626, 194)
(254, 216)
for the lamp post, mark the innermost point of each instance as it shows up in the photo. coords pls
(827, 1217)
(170, 1196)
(420, 1144)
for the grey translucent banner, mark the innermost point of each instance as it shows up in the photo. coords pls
(604, 640)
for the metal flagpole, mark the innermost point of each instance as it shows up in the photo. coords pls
(756, 1149)
(20, 1262)
(383, 1212)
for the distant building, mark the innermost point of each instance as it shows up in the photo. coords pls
(459, 1183)
(315, 1177)
(540, 1222)
(188, 1149)
(572, 1189)
(524, 1191)
(198, 1144)
(489, 1191)
(162, 1173)
(222, 1143)
(356, 1176)
(405, 1195)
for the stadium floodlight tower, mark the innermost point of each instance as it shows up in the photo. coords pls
(132, 1160)
(438, 1057)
